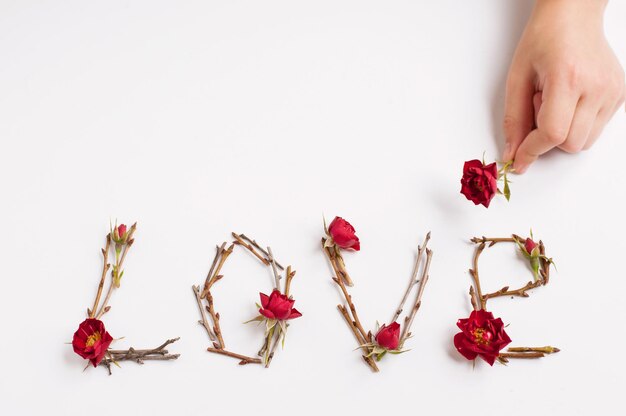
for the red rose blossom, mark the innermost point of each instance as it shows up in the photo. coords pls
(121, 230)
(480, 182)
(529, 245)
(278, 306)
(388, 337)
(91, 340)
(343, 234)
(481, 335)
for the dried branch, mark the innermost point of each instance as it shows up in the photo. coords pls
(216, 321)
(139, 356)
(240, 241)
(207, 283)
(274, 270)
(359, 337)
(408, 321)
(355, 316)
(414, 280)
(243, 358)
(204, 322)
(545, 350)
(221, 257)
(117, 270)
(290, 275)
(105, 268)
(258, 247)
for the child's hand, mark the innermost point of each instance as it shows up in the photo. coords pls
(564, 83)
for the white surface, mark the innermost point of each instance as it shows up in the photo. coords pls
(202, 118)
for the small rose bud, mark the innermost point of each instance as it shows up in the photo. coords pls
(529, 246)
(343, 234)
(388, 337)
(121, 230)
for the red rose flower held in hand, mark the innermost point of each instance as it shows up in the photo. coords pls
(480, 182)
(91, 340)
(343, 234)
(388, 337)
(278, 306)
(481, 335)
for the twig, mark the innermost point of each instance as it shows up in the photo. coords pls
(414, 279)
(474, 273)
(105, 268)
(203, 322)
(268, 360)
(244, 359)
(408, 321)
(492, 241)
(207, 283)
(241, 242)
(116, 272)
(355, 316)
(506, 355)
(342, 267)
(223, 255)
(521, 292)
(216, 320)
(156, 354)
(258, 247)
(274, 270)
(544, 350)
(290, 275)
(359, 337)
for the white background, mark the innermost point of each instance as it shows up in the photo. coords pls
(200, 118)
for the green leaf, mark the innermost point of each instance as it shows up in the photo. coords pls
(259, 318)
(507, 189)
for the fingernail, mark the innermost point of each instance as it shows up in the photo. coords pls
(521, 168)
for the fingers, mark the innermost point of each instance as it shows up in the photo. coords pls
(584, 120)
(554, 120)
(603, 117)
(518, 111)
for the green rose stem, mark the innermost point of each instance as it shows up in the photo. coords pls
(117, 272)
(479, 301)
(139, 356)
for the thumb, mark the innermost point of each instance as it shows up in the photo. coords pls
(519, 112)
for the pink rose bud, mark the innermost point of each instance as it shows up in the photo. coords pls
(388, 337)
(121, 230)
(529, 245)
